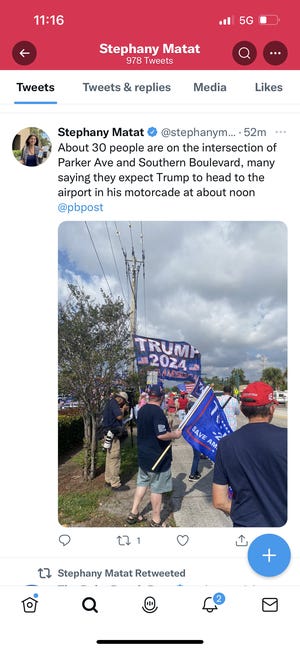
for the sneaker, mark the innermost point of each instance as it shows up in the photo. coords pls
(194, 477)
(121, 488)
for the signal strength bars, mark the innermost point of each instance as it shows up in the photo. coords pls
(226, 21)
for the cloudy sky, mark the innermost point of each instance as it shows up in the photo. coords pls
(220, 286)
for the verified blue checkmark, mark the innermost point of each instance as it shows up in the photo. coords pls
(152, 131)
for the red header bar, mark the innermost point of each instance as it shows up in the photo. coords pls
(159, 35)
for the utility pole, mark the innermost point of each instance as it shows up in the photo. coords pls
(263, 360)
(133, 267)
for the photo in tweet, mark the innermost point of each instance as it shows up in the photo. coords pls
(172, 337)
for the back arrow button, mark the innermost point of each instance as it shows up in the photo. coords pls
(24, 53)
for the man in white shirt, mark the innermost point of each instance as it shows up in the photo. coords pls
(230, 407)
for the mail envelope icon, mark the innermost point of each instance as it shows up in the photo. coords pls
(269, 604)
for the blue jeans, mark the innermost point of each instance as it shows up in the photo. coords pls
(195, 463)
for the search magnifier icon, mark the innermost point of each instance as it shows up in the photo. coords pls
(89, 604)
(244, 53)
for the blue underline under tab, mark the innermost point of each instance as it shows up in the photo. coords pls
(20, 102)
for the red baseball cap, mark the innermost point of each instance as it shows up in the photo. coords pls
(258, 394)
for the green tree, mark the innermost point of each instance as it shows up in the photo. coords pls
(93, 349)
(41, 135)
(285, 380)
(274, 377)
(216, 382)
(237, 377)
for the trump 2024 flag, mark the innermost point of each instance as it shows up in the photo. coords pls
(205, 424)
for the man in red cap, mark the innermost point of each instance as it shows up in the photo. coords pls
(253, 461)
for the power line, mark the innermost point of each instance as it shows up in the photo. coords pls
(119, 235)
(132, 247)
(114, 258)
(144, 277)
(132, 268)
(125, 257)
(98, 258)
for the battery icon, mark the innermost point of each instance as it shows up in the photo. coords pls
(268, 20)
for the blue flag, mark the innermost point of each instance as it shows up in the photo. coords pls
(205, 424)
(198, 388)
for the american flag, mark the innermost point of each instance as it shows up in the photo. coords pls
(189, 387)
(143, 361)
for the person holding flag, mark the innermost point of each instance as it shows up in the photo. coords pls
(205, 423)
(203, 426)
(154, 457)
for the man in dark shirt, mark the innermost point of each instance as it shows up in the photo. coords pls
(253, 461)
(154, 456)
(113, 415)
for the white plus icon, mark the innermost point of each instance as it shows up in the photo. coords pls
(269, 555)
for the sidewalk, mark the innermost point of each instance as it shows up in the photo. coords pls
(192, 503)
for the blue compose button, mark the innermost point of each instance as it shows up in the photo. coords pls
(269, 555)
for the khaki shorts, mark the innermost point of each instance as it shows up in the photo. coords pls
(159, 482)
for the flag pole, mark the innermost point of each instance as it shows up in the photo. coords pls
(183, 423)
(161, 457)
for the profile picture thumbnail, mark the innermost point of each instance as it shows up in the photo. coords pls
(31, 146)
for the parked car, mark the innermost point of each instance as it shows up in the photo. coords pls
(67, 403)
(218, 393)
(281, 396)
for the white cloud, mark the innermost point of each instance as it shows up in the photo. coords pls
(218, 285)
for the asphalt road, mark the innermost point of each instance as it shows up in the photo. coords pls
(280, 417)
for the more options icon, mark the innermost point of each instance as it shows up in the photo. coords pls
(275, 53)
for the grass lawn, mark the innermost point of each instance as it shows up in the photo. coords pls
(90, 503)
(80, 501)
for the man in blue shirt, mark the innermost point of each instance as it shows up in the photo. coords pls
(154, 456)
(253, 461)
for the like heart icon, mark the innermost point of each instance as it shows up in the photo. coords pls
(182, 539)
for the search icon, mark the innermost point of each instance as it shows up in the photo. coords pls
(244, 53)
(89, 604)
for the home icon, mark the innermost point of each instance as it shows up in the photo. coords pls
(29, 605)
